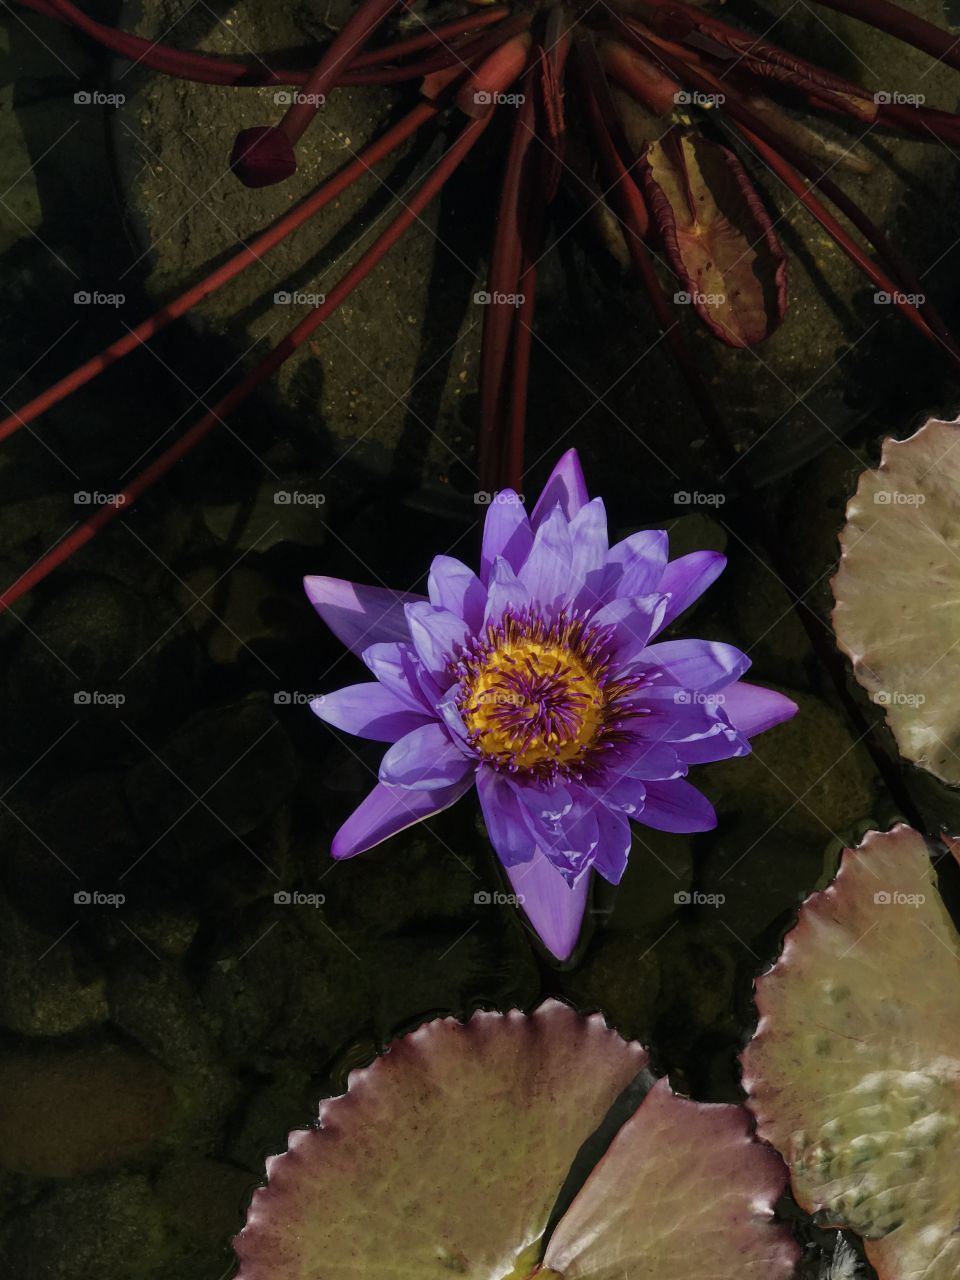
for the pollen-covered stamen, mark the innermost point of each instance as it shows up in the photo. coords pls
(542, 697)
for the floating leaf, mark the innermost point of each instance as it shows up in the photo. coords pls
(854, 1071)
(718, 237)
(683, 1192)
(897, 593)
(446, 1156)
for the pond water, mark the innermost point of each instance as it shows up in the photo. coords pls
(166, 1014)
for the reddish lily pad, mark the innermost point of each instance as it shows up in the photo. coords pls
(684, 1191)
(897, 593)
(718, 236)
(447, 1154)
(444, 1156)
(854, 1073)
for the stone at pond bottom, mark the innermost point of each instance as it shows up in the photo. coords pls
(71, 1112)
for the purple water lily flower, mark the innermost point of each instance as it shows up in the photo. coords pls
(538, 681)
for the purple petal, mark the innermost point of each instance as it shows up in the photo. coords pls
(506, 591)
(454, 587)
(570, 840)
(751, 709)
(698, 665)
(553, 907)
(437, 636)
(425, 759)
(677, 806)
(387, 810)
(636, 619)
(636, 565)
(686, 579)
(369, 711)
(505, 818)
(507, 533)
(359, 616)
(547, 573)
(565, 487)
(718, 746)
(588, 536)
(627, 794)
(644, 758)
(395, 666)
(613, 847)
(675, 715)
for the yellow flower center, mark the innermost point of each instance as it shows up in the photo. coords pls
(531, 701)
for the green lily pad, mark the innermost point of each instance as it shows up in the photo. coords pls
(447, 1154)
(854, 1073)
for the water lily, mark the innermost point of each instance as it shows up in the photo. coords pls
(538, 681)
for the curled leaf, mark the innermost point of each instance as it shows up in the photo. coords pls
(855, 1068)
(717, 235)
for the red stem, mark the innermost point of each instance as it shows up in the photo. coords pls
(630, 200)
(905, 26)
(84, 532)
(250, 254)
(503, 280)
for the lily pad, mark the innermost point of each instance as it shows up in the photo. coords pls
(855, 1068)
(684, 1191)
(897, 593)
(448, 1153)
